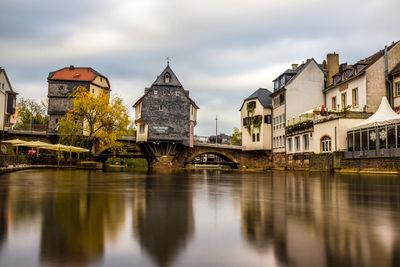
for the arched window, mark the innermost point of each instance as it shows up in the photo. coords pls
(166, 77)
(326, 144)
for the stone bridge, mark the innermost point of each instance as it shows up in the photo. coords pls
(159, 156)
(168, 155)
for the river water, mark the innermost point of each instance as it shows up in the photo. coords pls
(198, 218)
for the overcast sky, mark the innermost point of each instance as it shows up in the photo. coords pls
(221, 50)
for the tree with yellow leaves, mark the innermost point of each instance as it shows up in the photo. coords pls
(94, 119)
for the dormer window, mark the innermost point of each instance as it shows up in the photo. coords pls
(166, 77)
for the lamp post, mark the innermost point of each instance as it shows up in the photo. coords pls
(216, 129)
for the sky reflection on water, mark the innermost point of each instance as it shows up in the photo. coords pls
(200, 218)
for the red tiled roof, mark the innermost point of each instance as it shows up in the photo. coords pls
(76, 74)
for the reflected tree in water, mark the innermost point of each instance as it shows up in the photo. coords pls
(77, 218)
(163, 217)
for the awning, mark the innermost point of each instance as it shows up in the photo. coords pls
(383, 116)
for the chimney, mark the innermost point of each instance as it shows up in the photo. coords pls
(71, 67)
(332, 62)
(294, 66)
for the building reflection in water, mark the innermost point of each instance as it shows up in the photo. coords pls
(163, 216)
(76, 219)
(4, 211)
(320, 220)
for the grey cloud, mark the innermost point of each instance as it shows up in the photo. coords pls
(221, 50)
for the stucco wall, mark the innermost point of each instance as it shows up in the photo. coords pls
(327, 128)
(265, 130)
(359, 83)
(376, 85)
(142, 137)
(305, 92)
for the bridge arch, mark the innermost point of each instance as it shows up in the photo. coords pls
(227, 157)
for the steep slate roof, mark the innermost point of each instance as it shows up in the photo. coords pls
(75, 74)
(367, 62)
(262, 95)
(173, 82)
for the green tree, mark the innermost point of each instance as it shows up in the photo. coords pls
(236, 137)
(94, 119)
(30, 112)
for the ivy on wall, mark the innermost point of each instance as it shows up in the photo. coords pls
(255, 121)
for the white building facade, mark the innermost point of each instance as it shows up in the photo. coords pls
(295, 91)
(7, 102)
(256, 121)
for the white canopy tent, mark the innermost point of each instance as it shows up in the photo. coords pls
(383, 116)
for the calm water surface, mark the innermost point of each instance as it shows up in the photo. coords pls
(199, 218)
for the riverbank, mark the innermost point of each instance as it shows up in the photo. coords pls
(22, 167)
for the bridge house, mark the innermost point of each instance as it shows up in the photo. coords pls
(62, 84)
(166, 113)
(7, 102)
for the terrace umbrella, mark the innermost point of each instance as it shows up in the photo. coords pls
(14, 142)
(35, 144)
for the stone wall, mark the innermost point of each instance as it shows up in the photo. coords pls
(174, 116)
(279, 159)
(371, 163)
(321, 162)
(299, 160)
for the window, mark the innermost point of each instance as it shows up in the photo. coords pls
(164, 92)
(166, 77)
(280, 140)
(354, 97)
(276, 102)
(334, 103)
(254, 137)
(177, 93)
(382, 137)
(155, 92)
(397, 88)
(326, 144)
(56, 121)
(7, 119)
(290, 144)
(276, 84)
(141, 128)
(246, 121)
(306, 142)
(160, 108)
(93, 90)
(350, 145)
(357, 140)
(372, 139)
(282, 99)
(297, 143)
(344, 100)
(267, 119)
(258, 137)
(2, 86)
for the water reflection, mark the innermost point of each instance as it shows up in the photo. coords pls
(163, 216)
(76, 219)
(322, 220)
(212, 218)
